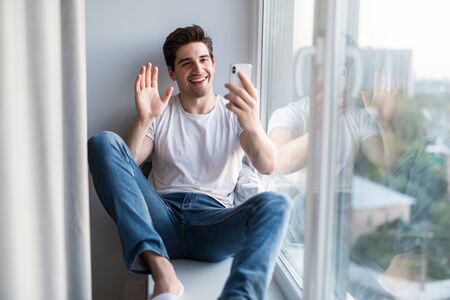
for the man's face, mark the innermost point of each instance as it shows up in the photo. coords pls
(194, 70)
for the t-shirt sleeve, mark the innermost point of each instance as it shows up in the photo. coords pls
(151, 131)
(293, 116)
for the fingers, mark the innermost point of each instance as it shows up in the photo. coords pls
(147, 74)
(236, 100)
(233, 108)
(383, 83)
(167, 94)
(370, 108)
(142, 81)
(248, 86)
(395, 87)
(365, 99)
(148, 77)
(242, 93)
(137, 83)
(154, 82)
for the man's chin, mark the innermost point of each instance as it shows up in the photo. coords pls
(198, 93)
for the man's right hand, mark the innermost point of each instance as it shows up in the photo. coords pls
(149, 105)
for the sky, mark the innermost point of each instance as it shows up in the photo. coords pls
(420, 25)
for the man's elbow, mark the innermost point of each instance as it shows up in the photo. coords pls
(268, 168)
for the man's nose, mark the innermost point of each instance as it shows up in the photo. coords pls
(197, 67)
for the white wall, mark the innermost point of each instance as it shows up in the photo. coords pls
(121, 36)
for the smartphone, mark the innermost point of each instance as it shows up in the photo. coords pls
(243, 68)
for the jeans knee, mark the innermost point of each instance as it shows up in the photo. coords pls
(276, 203)
(100, 142)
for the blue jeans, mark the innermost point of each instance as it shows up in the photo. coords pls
(188, 225)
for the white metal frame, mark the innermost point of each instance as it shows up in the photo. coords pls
(290, 287)
(319, 273)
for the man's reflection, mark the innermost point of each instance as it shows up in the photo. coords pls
(369, 129)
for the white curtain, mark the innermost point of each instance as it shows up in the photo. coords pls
(44, 215)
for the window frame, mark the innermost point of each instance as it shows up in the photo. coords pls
(283, 273)
(320, 282)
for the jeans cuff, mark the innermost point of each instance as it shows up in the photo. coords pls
(137, 264)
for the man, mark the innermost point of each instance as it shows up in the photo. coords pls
(196, 141)
(370, 129)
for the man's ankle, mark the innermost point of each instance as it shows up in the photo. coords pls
(160, 267)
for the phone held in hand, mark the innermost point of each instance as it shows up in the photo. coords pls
(243, 68)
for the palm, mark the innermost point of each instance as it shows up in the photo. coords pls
(382, 105)
(149, 104)
(384, 102)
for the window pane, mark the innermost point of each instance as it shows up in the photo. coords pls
(398, 236)
(288, 55)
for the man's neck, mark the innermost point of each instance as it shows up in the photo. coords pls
(198, 106)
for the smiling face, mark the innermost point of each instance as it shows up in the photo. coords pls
(194, 70)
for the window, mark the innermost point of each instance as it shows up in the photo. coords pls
(358, 103)
(408, 253)
(287, 35)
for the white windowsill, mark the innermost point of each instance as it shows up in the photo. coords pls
(291, 286)
(204, 281)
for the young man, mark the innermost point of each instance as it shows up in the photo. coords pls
(196, 141)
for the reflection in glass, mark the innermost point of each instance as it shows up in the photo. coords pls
(399, 233)
(393, 152)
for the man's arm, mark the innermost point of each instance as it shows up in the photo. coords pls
(149, 106)
(292, 149)
(385, 150)
(140, 146)
(259, 148)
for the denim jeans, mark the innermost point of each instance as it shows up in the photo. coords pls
(188, 225)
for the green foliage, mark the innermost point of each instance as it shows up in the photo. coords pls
(408, 122)
(430, 100)
(440, 216)
(377, 248)
(429, 241)
(419, 175)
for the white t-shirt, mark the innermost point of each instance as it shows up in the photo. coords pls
(197, 153)
(355, 125)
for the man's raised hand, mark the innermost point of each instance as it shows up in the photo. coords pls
(382, 105)
(244, 102)
(149, 105)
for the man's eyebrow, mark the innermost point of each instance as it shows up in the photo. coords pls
(183, 60)
(189, 59)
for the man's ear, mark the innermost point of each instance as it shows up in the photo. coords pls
(171, 73)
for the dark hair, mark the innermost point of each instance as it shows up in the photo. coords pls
(183, 36)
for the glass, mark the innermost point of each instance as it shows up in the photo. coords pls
(287, 62)
(388, 142)
(398, 221)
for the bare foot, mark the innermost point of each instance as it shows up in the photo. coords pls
(163, 274)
